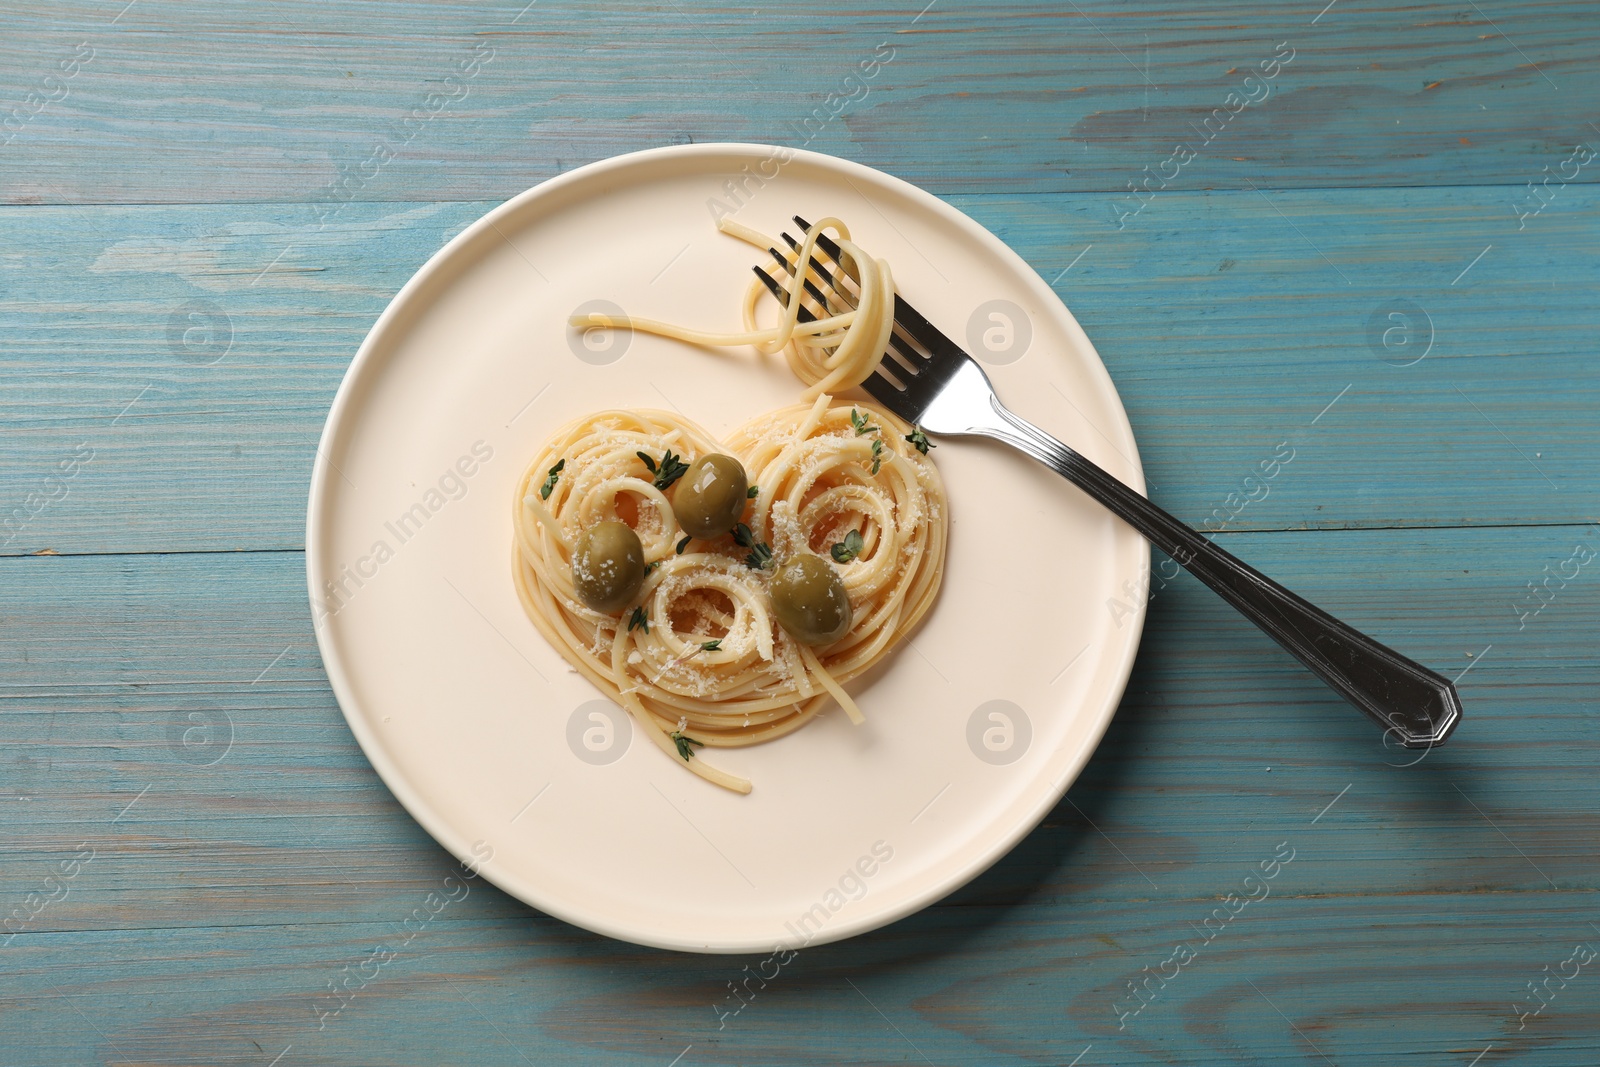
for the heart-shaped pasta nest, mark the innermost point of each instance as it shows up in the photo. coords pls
(699, 658)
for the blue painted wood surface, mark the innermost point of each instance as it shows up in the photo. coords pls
(189, 904)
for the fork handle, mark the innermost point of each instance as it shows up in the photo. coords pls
(1418, 706)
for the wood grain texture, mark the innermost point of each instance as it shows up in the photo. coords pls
(278, 102)
(1224, 318)
(167, 733)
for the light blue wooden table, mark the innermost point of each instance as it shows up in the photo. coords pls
(1348, 260)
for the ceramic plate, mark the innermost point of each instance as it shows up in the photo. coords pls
(514, 762)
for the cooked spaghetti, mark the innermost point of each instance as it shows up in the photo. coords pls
(840, 349)
(702, 660)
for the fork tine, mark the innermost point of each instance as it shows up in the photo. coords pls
(905, 316)
(880, 386)
(907, 384)
(891, 396)
(824, 242)
(826, 275)
(909, 357)
(782, 294)
(925, 333)
(840, 295)
(907, 361)
(816, 294)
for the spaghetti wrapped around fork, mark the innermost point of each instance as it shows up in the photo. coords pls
(838, 350)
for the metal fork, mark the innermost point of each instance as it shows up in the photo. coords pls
(927, 379)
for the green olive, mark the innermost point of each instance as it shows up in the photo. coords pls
(608, 566)
(711, 496)
(809, 599)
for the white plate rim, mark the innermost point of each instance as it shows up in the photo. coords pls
(365, 362)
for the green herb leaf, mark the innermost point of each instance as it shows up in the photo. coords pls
(714, 645)
(637, 619)
(672, 468)
(848, 549)
(648, 567)
(648, 462)
(760, 552)
(684, 544)
(877, 453)
(683, 744)
(753, 492)
(553, 476)
(919, 440)
(859, 421)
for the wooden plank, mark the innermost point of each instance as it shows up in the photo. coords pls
(289, 101)
(223, 899)
(1370, 981)
(1224, 318)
